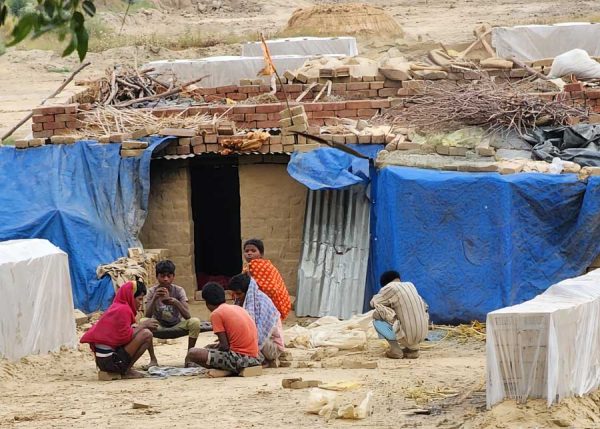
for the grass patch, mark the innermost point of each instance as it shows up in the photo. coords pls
(58, 69)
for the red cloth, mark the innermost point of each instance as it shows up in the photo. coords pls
(269, 280)
(114, 327)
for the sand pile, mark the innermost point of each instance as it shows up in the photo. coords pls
(346, 19)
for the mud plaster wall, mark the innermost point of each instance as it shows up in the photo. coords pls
(272, 209)
(169, 224)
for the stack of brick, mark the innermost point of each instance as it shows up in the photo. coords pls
(293, 120)
(133, 148)
(54, 120)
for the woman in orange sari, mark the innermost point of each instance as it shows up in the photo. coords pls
(267, 277)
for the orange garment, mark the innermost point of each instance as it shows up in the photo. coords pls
(238, 326)
(271, 283)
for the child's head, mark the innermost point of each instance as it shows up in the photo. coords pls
(165, 273)
(213, 295)
(388, 277)
(253, 249)
(140, 293)
(239, 286)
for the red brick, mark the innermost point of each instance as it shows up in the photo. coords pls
(213, 98)
(244, 109)
(267, 124)
(313, 107)
(358, 104)
(337, 87)
(218, 110)
(62, 132)
(353, 86)
(226, 89)
(572, 87)
(199, 149)
(294, 87)
(273, 116)
(388, 92)
(318, 122)
(376, 85)
(54, 125)
(592, 94)
(50, 110)
(324, 114)
(73, 125)
(256, 117)
(269, 108)
(38, 119)
(367, 113)
(347, 113)
(236, 96)
(37, 127)
(71, 108)
(247, 124)
(43, 134)
(65, 117)
(236, 117)
(184, 150)
(373, 93)
(208, 91)
(392, 83)
(338, 105)
(380, 104)
(249, 88)
(577, 94)
(266, 88)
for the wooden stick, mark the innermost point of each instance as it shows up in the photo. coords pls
(306, 91)
(472, 45)
(162, 95)
(318, 96)
(54, 94)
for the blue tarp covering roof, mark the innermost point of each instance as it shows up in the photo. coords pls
(84, 198)
(473, 243)
(329, 168)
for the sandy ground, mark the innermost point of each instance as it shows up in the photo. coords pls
(61, 390)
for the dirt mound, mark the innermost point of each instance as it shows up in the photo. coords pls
(343, 19)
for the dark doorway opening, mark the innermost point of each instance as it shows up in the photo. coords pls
(216, 214)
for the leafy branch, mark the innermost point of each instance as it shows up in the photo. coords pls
(66, 17)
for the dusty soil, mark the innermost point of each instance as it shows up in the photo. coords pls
(61, 390)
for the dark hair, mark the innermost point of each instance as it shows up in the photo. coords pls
(140, 288)
(213, 293)
(257, 243)
(165, 267)
(240, 282)
(388, 277)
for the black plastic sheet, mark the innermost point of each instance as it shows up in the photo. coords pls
(577, 143)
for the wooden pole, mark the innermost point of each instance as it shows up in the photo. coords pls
(54, 94)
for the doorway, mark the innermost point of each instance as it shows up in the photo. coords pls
(216, 215)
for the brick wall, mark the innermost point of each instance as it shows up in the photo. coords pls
(272, 209)
(169, 224)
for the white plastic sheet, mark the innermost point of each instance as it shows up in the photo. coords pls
(548, 347)
(223, 71)
(36, 309)
(535, 42)
(328, 331)
(304, 46)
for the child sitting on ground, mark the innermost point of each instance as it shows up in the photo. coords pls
(237, 346)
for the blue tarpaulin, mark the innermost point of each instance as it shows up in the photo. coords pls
(473, 243)
(84, 198)
(329, 168)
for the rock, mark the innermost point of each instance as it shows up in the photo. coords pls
(563, 423)
(430, 74)
(324, 352)
(396, 69)
(286, 383)
(139, 406)
(361, 124)
(80, 317)
(496, 63)
(252, 371)
(358, 364)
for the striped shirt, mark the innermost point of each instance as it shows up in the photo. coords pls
(409, 310)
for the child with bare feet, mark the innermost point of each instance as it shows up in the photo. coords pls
(237, 345)
(117, 342)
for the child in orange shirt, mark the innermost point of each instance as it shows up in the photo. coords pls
(237, 346)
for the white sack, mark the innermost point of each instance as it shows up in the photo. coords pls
(576, 62)
(36, 309)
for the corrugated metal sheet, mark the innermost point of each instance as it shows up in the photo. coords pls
(333, 267)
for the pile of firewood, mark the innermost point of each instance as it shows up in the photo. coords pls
(127, 86)
(495, 107)
(252, 141)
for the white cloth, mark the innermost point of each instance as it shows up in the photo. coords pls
(304, 46)
(535, 42)
(36, 309)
